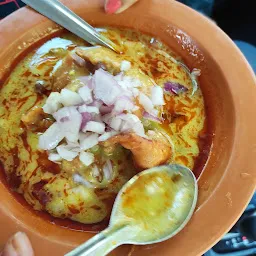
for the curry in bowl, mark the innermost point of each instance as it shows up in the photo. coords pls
(78, 121)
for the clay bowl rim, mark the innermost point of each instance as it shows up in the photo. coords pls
(224, 188)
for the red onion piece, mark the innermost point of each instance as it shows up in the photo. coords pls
(86, 117)
(96, 103)
(71, 127)
(175, 88)
(150, 117)
(64, 119)
(106, 109)
(106, 87)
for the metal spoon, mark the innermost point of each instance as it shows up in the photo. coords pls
(152, 207)
(58, 12)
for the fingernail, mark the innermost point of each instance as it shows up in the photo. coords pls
(18, 245)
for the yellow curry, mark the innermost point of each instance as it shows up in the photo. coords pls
(77, 122)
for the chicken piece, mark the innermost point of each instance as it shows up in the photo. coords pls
(61, 75)
(146, 153)
(36, 120)
(101, 56)
(98, 54)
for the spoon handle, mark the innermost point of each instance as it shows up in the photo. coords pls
(102, 243)
(56, 11)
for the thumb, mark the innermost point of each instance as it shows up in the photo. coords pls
(18, 245)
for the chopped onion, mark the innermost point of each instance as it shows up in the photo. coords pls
(88, 109)
(116, 123)
(125, 65)
(119, 76)
(89, 141)
(96, 103)
(106, 109)
(123, 103)
(66, 153)
(96, 127)
(151, 117)
(175, 88)
(107, 135)
(92, 109)
(85, 80)
(69, 98)
(86, 94)
(157, 96)
(147, 104)
(86, 117)
(82, 108)
(108, 170)
(135, 92)
(53, 103)
(51, 137)
(132, 123)
(107, 118)
(74, 146)
(106, 87)
(86, 158)
(71, 127)
(79, 179)
(54, 157)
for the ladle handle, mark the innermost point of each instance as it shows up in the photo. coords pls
(58, 12)
(102, 243)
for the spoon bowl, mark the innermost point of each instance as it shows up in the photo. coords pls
(58, 12)
(151, 207)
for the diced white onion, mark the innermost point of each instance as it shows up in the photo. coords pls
(116, 123)
(125, 65)
(123, 103)
(157, 96)
(85, 80)
(106, 87)
(54, 157)
(66, 153)
(96, 127)
(146, 103)
(51, 137)
(89, 141)
(53, 103)
(132, 123)
(69, 98)
(86, 158)
(85, 94)
(107, 118)
(92, 109)
(69, 121)
(88, 109)
(105, 136)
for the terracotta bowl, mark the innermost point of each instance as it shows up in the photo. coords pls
(228, 84)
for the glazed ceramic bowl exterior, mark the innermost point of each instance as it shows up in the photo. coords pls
(228, 85)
